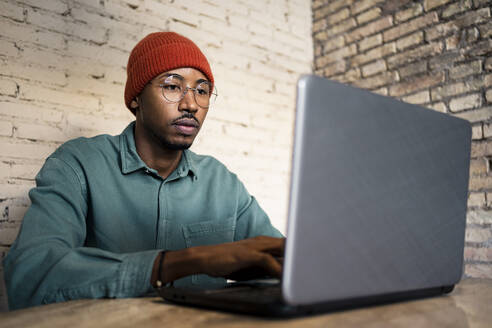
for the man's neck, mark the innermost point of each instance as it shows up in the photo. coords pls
(154, 154)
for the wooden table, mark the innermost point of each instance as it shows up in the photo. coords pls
(469, 305)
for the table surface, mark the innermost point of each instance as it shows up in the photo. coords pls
(469, 305)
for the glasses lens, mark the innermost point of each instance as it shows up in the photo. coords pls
(202, 94)
(172, 89)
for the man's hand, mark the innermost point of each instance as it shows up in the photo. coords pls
(245, 259)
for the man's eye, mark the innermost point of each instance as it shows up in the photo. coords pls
(172, 87)
(202, 92)
(203, 89)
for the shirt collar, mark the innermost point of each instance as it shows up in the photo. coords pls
(191, 166)
(131, 161)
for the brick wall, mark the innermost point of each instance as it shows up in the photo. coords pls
(62, 74)
(435, 53)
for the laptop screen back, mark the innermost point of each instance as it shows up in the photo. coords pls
(378, 195)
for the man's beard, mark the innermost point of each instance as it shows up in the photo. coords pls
(168, 144)
(174, 146)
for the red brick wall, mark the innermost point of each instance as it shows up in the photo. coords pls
(436, 53)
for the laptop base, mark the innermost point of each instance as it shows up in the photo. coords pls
(235, 299)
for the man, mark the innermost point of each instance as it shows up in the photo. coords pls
(115, 216)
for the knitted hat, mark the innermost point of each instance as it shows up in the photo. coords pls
(157, 53)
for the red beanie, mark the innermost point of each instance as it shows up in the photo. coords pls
(157, 53)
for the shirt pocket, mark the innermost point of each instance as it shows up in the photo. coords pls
(209, 233)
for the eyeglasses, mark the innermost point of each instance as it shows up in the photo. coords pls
(174, 89)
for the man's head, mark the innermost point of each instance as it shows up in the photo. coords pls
(160, 64)
(157, 53)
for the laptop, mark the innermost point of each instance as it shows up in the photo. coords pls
(377, 209)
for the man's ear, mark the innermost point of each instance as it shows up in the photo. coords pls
(134, 104)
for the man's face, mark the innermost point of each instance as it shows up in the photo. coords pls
(173, 125)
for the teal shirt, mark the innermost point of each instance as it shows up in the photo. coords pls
(99, 216)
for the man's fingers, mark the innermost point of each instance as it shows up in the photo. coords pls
(274, 246)
(270, 245)
(261, 265)
(280, 259)
(271, 265)
(250, 256)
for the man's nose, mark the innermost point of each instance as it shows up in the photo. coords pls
(188, 103)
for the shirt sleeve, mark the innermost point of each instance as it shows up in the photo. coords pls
(48, 261)
(252, 221)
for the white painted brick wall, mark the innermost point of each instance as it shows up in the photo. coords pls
(62, 75)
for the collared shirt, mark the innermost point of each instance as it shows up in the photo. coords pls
(99, 216)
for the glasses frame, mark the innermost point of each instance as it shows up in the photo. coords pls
(213, 94)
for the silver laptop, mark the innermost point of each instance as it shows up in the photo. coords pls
(377, 208)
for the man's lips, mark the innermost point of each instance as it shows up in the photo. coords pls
(186, 126)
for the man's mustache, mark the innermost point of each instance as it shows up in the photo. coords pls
(186, 116)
